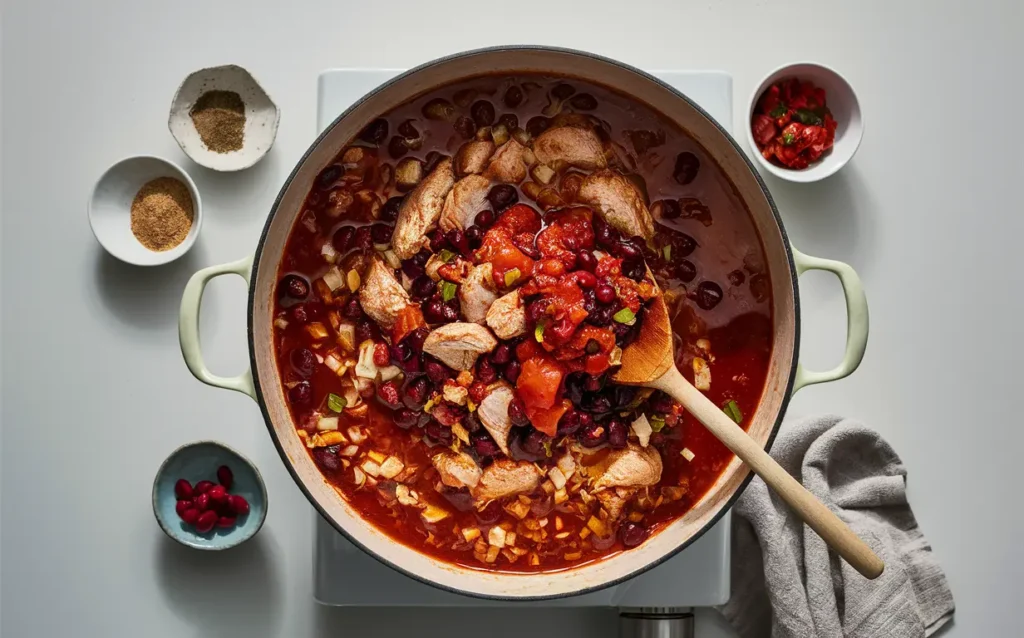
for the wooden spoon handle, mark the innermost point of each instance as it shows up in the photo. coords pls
(827, 525)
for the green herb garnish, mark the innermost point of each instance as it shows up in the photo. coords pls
(778, 111)
(657, 422)
(538, 333)
(512, 276)
(733, 410)
(788, 138)
(625, 316)
(808, 117)
(336, 403)
(446, 255)
(547, 448)
(667, 251)
(448, 290)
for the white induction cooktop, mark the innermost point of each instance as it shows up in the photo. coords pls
(696, 577)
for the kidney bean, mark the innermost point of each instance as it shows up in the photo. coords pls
(709, 295)
(328, 176)
(586, 260)
(438, 433)
(381, 233)
(457, 239)
(397, 147)
(484, 219)
(474, 236)
(601, 316)
(684, 270)
(513, 97)
(593, 435)
(352, 309)
(484, 445)
(537, 125)
(631, 534)
(465, 127)
(490, 514)
(533, 442)
(226, 522)
(482, 112)
(294, 286)
(509, 121)
(439, 109)
(190, 516)
(301, 394)
(736, 277)
(583, 102)
(502, 354)
(181, 506)
(202, 487)
(422, 287)
(669, 208)
(593, 384)
(217, 494)
(485, 371)
(605, 293)
(759, 287)
(634, 269)
(225, 476)
(206, 521)
(387, 392)
(517, 412)
(406, 418)
(416, 392)
(389, 211)
(408, 130)
(182, 489)
(618, 433)
(569, 423)
(511, 371)
(562, 91)
(238, 504)
(303, 361)
(502, 196)
(201, 502)
(327, 458)
(366, 329)
(686, 168)
(375, 132)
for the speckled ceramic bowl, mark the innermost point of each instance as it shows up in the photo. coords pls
(261, 117)
(197, 462)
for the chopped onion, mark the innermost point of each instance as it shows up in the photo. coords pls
(281, 323)
(351, 450)
(317, 330)
(470, 534)
(557, 478)
(355, 433)
(328, 253)
(392, 259)
(334, 364)
(334, 279)
(701, 374)
(327, 423)
(433, 514)
(391, 467)
(359, 476)
(496, 537)
(687, 454)
(371, 468)
(642, 428)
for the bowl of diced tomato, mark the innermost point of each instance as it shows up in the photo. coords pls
(804, 122)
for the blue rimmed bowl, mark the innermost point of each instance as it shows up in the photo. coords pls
(199, 461)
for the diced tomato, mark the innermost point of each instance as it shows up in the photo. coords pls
(576, 350)
(802, 139)
(569, 230)
(546, 420)
(538, 382)
(519, 219)
(503, 255)
(409, 319)
(764, 129)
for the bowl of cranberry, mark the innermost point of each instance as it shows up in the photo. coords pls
(804, 122)
(207, 496)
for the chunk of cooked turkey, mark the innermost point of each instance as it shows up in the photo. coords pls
(614, 500)
(467, 198)
(493, 414)
(457, 469)
(380, 295)
(618, 202)
(458, 345)
(507, 316)
(570, 145)
(476, 293)
(632, 466)
(510, 163)
(506, 477)
(472, 157)
(421, 210)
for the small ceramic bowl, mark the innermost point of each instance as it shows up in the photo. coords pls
(199, 462)
(261, 117)
(111, 204)
(845, 107)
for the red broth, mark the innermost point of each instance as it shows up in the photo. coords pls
(719, 298)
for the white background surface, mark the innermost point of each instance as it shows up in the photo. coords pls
(95, 393)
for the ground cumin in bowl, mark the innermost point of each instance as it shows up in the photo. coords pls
(145, 211)
(223, 119)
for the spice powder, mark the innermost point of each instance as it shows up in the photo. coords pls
(162, 213)
(219, 117)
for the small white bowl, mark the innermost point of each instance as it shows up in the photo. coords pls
(261, 117)
(845, 107)
(111, 203)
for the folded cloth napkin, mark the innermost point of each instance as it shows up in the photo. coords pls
(785, 581)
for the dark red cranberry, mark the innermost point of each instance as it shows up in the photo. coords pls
(632, 534)
(685, 271)
(618, 433)
(474, 236)
(389, 211)
(586, 260)
(342, 239)
(583, 102)
(593, 384)
(736, 278)
(416, 339)
(537, 310)
(435, 310)
(465, 127)
(375, 132)
(206, 521)
(388, 393)
(569, 423)
(225, 476)
(300, 314)
(363, 238)
(294, 286)
(509, 121)
(397, 147)
(517, 412)
(601, 316)
(628, 249)
(511, 371)
(502, 196)
(687, 166)
(301, 394)
(682, 244)
(408, 130)
(634, 269)
(709, 295)
(422, 287)
(586, 279)
(416, 392)
(605, 293)
(436, 372)
(412, 269)
(533, 442)
(381, 355)
(589, 300)
(660, 402)
(238, 504)
(484, 219)
(490, 514)
(328, 176)
(759, 287)
(593, 435)
(303, 361)
(482, 112)
(605, 235)
(406, 418)
(485, 371)
(400, 352)
(670, 209)
(366, 329)
(537, 125)
(438, 433)
(484, 444)
(352, 309)
(381, 233)
(183, 489)
(327, 458)
(437, 240)
(190, 516)
(457, 239)
(596, 403)
(513, 97)
(502, 354)
(562, 91)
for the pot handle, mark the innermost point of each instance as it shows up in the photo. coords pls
(188, 327)
(856, 319)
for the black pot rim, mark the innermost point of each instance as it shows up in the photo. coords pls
(252, 346)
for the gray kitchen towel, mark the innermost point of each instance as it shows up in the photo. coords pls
(785, 581)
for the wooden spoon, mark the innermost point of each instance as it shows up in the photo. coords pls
(649, 362)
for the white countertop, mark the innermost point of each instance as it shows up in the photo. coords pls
(95, 393)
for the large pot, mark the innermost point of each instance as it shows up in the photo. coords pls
(785, 264)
